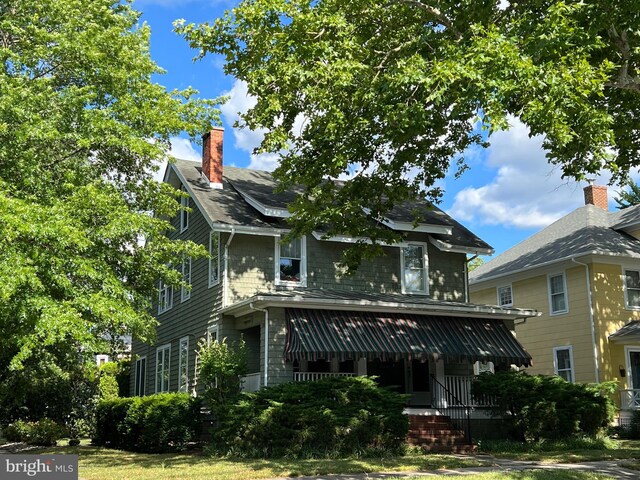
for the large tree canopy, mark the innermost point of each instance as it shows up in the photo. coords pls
(82, 127)
(397, 90)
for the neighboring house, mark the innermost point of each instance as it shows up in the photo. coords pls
(583, 273)
(402, 317)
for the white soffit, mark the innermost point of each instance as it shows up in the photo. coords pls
(263, 209)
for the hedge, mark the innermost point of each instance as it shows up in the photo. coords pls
(164, 422)
(332, 417)
(44, 432)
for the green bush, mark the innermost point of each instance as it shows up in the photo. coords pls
(540, 407)
(157, 423)
(43, 432)
(331, 417)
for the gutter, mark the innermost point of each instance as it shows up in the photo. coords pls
(591, 319)
(225, 288)
(266, 341)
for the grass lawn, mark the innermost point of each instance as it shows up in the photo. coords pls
(528, 475)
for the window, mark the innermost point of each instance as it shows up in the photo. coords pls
(291, 268)
(563, 363)
(212, 334)
(214, 259)
(163, 355)
(632, 288)
(185, 291)
(165, 297)
(557, 293)
(184, 213)
(141, 377)
(505, 297)
(183, 362)
(414, 269)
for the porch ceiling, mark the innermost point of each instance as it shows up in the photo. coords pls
(316, 334)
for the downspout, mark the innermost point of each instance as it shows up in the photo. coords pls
(591, 319)
(466, 276)
(225, 288)
(266, 341)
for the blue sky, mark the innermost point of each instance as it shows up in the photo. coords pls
(509, 192)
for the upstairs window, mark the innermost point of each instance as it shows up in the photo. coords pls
(184, 213)
(563, 363)
(632, 288)
(291, 262)
(185, 292)
(557, 294)
(505, 296)
(414, 269)
(214, 258)
(165, 297)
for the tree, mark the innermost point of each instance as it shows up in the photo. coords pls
(396, 91)
(628, 197)
(82, 128)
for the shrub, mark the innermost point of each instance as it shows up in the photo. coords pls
(543, 407)
(221, 366)
(330, 417)
(158, 423)
(43, 432)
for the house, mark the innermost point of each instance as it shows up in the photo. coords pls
(583, 273)
(403, 317)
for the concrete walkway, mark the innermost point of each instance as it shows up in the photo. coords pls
(610, 468)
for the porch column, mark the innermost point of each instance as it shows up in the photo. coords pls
(361, 366)
(439, 402)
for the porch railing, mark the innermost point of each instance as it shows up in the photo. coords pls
(251, 382)
(630, 399)
(448, 404)
(460, 387)
(313, 376)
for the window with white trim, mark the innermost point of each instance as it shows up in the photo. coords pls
(291, 262)
(632, 288)
(165, 297)
(563, 363)
(557, 294)
(163, 359)
(212, 334)
(141, 377)
(183, 365)
(184, 213)
(413, 259)
(185, 290)
(505, 296)
(214, 258)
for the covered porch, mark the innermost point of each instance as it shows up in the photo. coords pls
(625, 347)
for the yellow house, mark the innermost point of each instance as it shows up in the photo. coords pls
(583, 274)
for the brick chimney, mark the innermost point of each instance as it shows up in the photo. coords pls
(596, 195)
(212, 157)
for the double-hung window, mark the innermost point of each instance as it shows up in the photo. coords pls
(184, 212)
(414, 268)
(165, 297)
(291, 262)
(183, 365)
(505, 296)
(141, 377)
(632, 288)
(563, 363)
(557, 294)
(214, 258)
(185, 291)
(163, 358)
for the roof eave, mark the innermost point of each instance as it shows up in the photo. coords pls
(448, 247)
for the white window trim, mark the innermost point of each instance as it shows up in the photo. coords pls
(629, 377)
(169, 291)
(555, 361)
(510, 287)
(624, 286)
(425, 261)
(185, 293)
(167, 361)
(186, 365)
(566, 295)
(143, 388)
(210, 330)
(184, 214)
(303, 264)
(217, 281)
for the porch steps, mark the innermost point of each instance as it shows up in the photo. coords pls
(436, 433)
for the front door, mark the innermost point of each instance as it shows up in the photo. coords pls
(633, 366)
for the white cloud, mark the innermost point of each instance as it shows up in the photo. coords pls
(239, 102)
(183, 148)
(526, 192)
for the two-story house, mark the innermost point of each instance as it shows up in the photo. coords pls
(583, 274)
(403, 316)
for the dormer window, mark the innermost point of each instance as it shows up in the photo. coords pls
(291, 262)
(414, 268)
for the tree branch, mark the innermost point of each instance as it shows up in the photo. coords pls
(623, 80)
(437, 14)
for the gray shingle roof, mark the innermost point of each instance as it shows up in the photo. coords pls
(586, 230)
(227, 206)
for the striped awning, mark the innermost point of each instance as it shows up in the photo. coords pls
(314, 334)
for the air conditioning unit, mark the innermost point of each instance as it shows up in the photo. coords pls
(482, 367)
